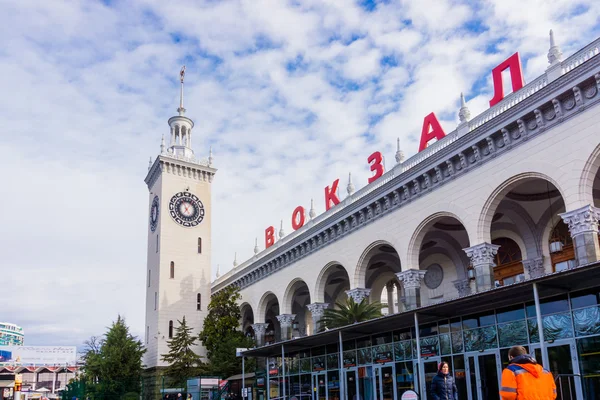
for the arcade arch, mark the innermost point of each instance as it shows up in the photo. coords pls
(295, 301)
(332, 284)
(269, 310)
(247, 319)
(376, 270)
(523, 212)
(437, 249)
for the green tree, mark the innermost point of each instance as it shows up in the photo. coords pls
(222, 319)
(183, 362)
(113, 365)
(349, 313)
(224, 361)
(221, 337)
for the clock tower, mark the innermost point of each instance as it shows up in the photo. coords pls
(179, 238)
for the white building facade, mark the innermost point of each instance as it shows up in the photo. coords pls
(509, 196)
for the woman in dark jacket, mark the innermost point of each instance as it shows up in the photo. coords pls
(443, 386)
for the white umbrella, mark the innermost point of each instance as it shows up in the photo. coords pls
(42, 389)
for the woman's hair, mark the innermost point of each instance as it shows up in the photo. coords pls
(441, 365)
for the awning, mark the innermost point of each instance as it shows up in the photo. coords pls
(579, 278)
(7, 384)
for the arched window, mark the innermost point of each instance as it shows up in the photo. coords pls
(199, 245)
(172, 272)
(199, 302)
(171, 329)
(509, 265)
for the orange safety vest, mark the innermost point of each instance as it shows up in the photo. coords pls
(527, 382)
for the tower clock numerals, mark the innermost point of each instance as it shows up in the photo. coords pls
(186, 209)
(154, 210)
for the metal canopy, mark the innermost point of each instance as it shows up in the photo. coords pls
(580, 278)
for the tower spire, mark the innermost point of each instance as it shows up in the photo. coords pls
(554, 54)
(399, 153)
(181, 110)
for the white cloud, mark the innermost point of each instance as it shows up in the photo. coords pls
(291, 95)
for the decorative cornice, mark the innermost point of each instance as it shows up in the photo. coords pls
(411, 279)
(317, 309)
(582, 220)
(482, 253)
(179, 166)
(358, 294)
(447, 159)
(535, 267)
(286, 319)
(463, 286)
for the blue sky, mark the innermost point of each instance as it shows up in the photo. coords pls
(290, 94)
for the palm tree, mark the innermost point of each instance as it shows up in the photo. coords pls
(350, 312)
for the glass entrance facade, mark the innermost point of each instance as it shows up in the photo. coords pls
(383, 366)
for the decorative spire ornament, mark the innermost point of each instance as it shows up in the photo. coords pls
(218, 271)
(181, 110)
(162, 145)
(554, 54)
(350, 187)
(150, 163)
(281, 232)
(399, 153)
(312, 213)
(210, 157)
(256, 250)
(464, 114)
(235, 263)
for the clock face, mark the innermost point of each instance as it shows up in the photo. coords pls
(186, 209)
(154, 214)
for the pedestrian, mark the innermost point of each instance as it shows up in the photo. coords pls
(525, 379)
(442, 385)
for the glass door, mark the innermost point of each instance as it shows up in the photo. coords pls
(483, 376)
(351, 380)
(320, 386)
(429, 369)
(384, 382)
(365, 383)
(562, 356)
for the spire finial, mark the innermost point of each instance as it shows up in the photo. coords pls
(181, 110)
(399, 153)
(210, 157)
(218, 271)
(554, 54)
(464, 114)
(281, 232)
(312, 213)
(350, 187)
(162, 144)
(150, 163)
(256, 250)
(235, 263)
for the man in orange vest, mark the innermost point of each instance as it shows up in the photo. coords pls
(525, 379)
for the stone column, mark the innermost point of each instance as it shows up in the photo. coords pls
(411, 280)
(463, 286)
(534, 267)
(358, 294)
(286, 321)
(317, 310)
(390, 297)
(482, 258)
(259, 333)
(583, 225)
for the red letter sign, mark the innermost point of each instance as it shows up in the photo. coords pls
(516, 76)
(436, 132)
(298, 218)
(269, 237)
(377, 166)
(331, 196)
